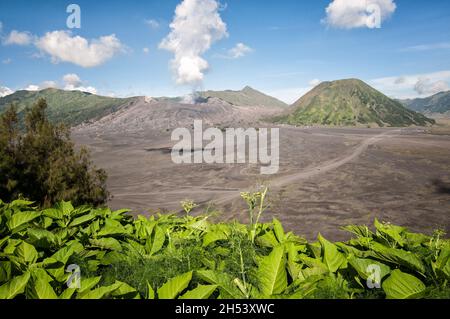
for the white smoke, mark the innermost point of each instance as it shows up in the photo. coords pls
(196, 26)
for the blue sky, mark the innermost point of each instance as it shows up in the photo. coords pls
(281, 47)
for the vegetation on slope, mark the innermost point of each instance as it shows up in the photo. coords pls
(438, 103)
(68, 107)
(40, 162)
(350, 103)
(246, 97)
(167, 256)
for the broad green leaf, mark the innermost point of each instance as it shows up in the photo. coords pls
(5, 271)
(124, 290)
(100, 292)
(267, 240)
(27, 252)
(82, 219)
(53, 213)
(278, 230)
(41, 237)
(67, 294)
(362, 266)
(400, 285)
(224, 281)
(397, 256)
(213, 236)
(442, 264)
(63, 255)
(391, 231)
(21, 218)
(106, 243)
(65, 207)
(201, 292)
(331, 256)
(272, 272)
(43, 289)
(150, 292)
(158, 241)
(173, 287)
(360, 231)
(14, 287)
(21, 203)
(88, 283)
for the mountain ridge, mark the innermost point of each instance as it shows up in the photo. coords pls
(350, 102)
(438, 103)
(248, 96)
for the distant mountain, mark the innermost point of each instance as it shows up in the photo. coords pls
(438, 103)
(350, 103)
(245, 97)
(69, 107)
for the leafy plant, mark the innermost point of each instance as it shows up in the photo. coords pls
(166, 256)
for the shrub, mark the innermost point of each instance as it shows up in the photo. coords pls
(40, 162)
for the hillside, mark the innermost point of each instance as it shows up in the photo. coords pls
(438, 103)
(69, 107)
(245, 97)
(350, 103)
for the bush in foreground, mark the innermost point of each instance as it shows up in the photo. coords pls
(167, 257)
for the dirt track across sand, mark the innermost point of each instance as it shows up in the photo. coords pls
(329, 177)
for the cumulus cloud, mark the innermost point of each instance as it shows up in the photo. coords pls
(63, 47)
(153, 24)
(412, 86)
(240, 50)
(70, 82)
(348, 14)
(32, 87)
(18, 38)
(4, 91)
(72, 79)
(42, 86)
(7, 61)
(196, 26)
(146, 50)
(426, 86)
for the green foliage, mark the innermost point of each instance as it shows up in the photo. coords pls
(188, 257)
(40, 163)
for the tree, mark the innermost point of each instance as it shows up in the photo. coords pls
(41, 162)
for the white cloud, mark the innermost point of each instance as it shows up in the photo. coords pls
(4, 91)
(153, 24)
(146, 50)
(18, 38)
(413, 86)
(1, 27)
(71, 79)
(63, 47)
(72, 82)
(425, 86)
(7, 61)
(348, 14)
(314, 82)
(32, 87)
(239, 51)
(196, 26)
